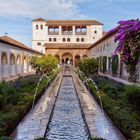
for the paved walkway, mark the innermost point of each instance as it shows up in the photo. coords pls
(35, 122)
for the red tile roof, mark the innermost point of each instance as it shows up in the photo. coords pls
(11, 41)
(70, 22)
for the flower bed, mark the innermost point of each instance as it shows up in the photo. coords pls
(16, 99)
(115, 102)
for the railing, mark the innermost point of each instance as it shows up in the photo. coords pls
(80, 33)
(53, 33)
(67, 33)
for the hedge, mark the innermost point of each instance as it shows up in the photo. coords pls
(127, 124)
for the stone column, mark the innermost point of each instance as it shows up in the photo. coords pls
(73, 29)
(60, 30)
(27, 63)
(0, 67)
(22, 62)
(73, 60)
(119, 66)
(47, 30)
(8, 64)
(15, 64)
(107, 64)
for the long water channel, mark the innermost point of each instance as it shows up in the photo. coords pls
(67, 122)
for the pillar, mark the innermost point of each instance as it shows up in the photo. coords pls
(15, 64)
(74, 60)
(0, 67)
(47, 30)
(60, 59)
(73, 29)
(22, 62)
(60, 30)
(27, 63)
(107, 64)
(8, 64)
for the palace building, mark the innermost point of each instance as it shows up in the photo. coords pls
(68, 40)
(72, 40)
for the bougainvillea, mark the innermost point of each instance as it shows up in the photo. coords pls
(128, 38)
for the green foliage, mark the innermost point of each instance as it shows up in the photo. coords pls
(16, 100)
(88, 66)
(44, 64)
(115, 61)
(5, 138)
(133, 94)
(104, 63)
(41, 139)
(97, 139)
(115, 103)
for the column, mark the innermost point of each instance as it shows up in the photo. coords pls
(8, 64)
(73, 60)
(60, 57)
(27, 63)
(60, 30)
(119, 66)
(107, 64)
(22, 63)
(15, 64)
(47, 30)
(73, 29)
(0, 67)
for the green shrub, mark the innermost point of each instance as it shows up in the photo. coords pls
(133, 94)
(97, 139)
(41, 139)
(88, 66)
(5, 138)
(118, 110)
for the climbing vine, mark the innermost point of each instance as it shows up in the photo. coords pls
(128, 38)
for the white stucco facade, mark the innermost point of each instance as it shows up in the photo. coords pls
(61, 32)
(14, 60)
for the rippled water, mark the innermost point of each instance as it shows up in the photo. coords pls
(67, 122)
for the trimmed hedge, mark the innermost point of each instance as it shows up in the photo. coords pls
(120, 114)
(17, 100)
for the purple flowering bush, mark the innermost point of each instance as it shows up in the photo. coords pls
(128, 38)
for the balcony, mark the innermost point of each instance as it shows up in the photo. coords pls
(67, 33)
(53, 33)
(81, 33)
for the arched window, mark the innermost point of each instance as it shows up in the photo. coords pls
(64, 39)
(12, 59)
(4, 59)
(41, 27)
(68, 39)
(37, 27)
(54, 39)
(77, 39)
(50, 39)
(82, 40)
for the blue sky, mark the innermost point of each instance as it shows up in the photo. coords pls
(16, 15)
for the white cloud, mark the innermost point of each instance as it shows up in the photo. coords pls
(42, 8)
